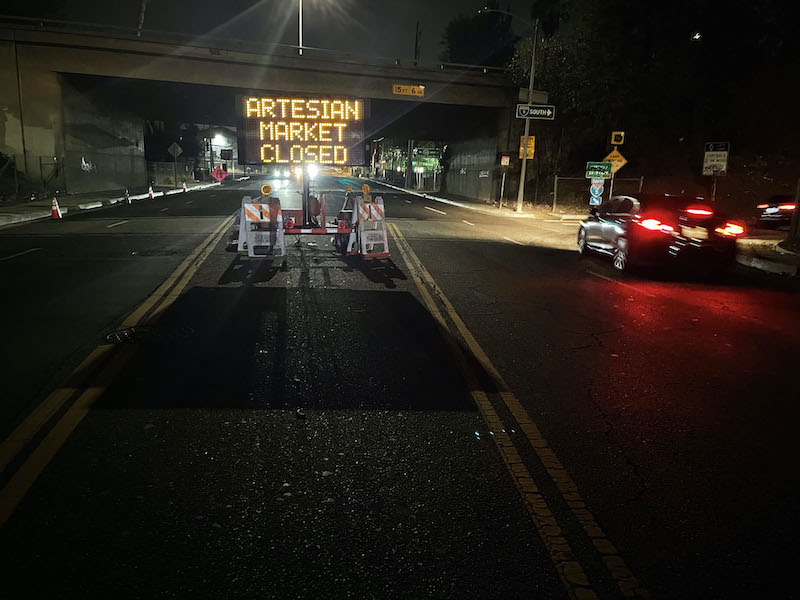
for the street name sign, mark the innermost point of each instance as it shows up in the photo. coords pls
(399, 89)
(536, 111)
(616, 159)
(598, 170)
(715, 158)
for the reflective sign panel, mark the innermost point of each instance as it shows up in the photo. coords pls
(291, 130)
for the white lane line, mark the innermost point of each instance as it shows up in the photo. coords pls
(28, 251)
(189, 201)
(164, 209)
(515, 241)
(553, 221)
(408, 201)
(436, 210)
(117, 223)
(467, 222)
(630, 287)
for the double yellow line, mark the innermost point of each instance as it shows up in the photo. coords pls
(112, 363)
(569, 569)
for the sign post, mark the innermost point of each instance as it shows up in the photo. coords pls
(505, 160)
(617, 162)
(175, 150)
(715, 162)
(521, 190)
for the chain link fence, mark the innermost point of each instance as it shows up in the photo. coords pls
(164, 173)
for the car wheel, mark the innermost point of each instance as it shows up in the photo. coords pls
(621, 256)
(582, 248)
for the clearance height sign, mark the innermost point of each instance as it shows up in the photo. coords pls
(292, 131)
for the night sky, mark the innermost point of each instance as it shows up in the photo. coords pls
(382, 27)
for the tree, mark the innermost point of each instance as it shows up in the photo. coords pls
(479, 39)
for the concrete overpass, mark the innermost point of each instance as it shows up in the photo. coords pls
(33, 55)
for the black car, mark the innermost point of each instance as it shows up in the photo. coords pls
(777, 211)
(648, 229)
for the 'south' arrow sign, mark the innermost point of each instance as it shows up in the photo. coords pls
(536, 111)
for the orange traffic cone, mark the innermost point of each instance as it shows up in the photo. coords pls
(184, 186)
(55, 211)
(127, 197)
(150, 192)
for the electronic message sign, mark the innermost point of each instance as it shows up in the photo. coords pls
(291, 130)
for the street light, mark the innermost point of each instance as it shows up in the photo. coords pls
(535, 29)
(300, 26)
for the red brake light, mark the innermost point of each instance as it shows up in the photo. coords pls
(656, 225)
(763, 206)
(700, 211)
(731, 229)
(787, 206)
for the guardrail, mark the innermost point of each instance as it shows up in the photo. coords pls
(217, 44)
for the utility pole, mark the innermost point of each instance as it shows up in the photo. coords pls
(142, 10)
(417, 38)
(521, 191)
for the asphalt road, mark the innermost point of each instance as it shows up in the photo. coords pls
(486, 415)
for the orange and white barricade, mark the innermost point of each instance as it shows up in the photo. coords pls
(369, 234)
(261, 227)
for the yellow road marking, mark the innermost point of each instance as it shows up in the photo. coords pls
(136, 316)
(619, 571)
(187, 276)
(25, 431)
(23, 479)
(568, 569)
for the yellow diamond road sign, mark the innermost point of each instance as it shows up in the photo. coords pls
(617, 160)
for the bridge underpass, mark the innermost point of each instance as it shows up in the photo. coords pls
(37, 62)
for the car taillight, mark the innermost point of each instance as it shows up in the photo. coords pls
(656, 225)
(787, 206)
(730, 229)
(700, 211)
(762, 206)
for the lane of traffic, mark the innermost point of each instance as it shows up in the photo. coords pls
(637, 374)
(200, 436)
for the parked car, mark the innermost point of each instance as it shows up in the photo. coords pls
(650, 229)
(777, 211)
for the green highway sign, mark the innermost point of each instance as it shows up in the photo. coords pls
(597, 170)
